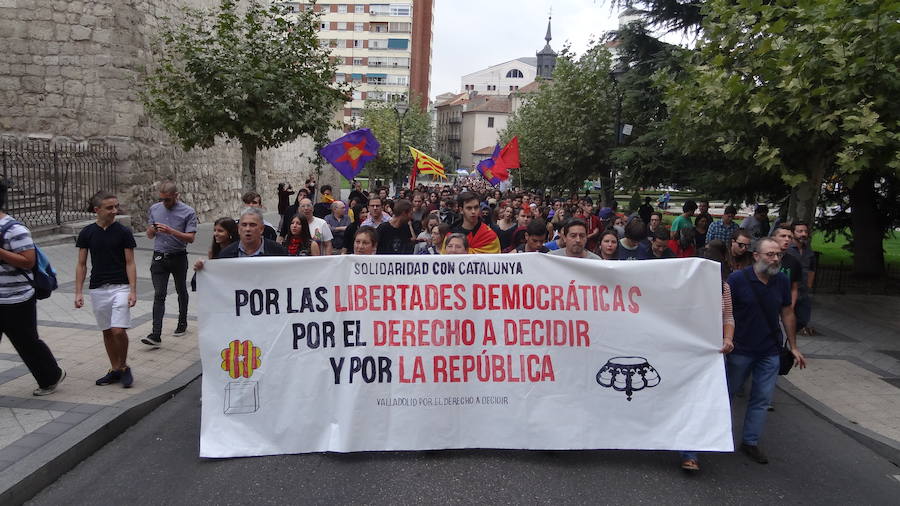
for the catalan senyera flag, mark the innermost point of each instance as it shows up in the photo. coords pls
(425, 164)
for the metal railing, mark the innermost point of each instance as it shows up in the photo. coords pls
(53, 183)
(840, 279)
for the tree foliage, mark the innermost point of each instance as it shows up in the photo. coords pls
(254, 75)
(566, 128)
(803, 91)
(382, 119)
(672, 15)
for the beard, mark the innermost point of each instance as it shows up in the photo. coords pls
(761, 266)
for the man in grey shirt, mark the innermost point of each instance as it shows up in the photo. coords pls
(338, 221)
(575, 236)
(172, 226)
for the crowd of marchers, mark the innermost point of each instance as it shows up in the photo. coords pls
(767, 269)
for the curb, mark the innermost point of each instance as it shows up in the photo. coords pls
(883, 446)
(23, 480)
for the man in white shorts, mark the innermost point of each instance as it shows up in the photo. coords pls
(113, 283)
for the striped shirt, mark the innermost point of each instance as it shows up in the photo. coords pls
(14, 286)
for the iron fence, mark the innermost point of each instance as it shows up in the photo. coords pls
(840, 279)
(53, 183)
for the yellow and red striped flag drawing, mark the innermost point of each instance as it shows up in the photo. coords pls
(425, 164)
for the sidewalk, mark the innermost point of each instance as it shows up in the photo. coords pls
(853, 378)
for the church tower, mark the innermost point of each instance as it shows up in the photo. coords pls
(546, 58)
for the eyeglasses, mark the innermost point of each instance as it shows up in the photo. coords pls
(742, 244)
(772, 254)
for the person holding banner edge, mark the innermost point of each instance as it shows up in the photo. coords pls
(760, 294)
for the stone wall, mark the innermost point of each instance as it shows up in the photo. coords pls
(71, 69)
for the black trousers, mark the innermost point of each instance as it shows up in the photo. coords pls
(19, 323)
(160, 269)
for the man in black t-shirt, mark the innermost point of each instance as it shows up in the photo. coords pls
(113, 283)
(790, 266)
(395, 235)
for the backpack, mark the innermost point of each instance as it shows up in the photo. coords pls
(43, 276)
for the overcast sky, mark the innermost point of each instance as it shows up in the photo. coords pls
(470, 35)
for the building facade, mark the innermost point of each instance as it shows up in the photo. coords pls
(383, 49)
(501, 79)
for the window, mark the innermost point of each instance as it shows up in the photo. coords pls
(357, 78)
(357, 43)
(339, 78)
(358, 27)
(323, 26)
(397, 97)
(380, 10)
(357, 61)
(342, 8)
(378, 27)
(492, 87)
(513, 88)
(400, 27)
(378, 44)
(470, 87)
(324, 43)
(376, 80)
(341, 25)
(359, 9)
(490, 122)
(357, 95)
(398, 43)
(398, 80)
(515, 73)
(400, 10)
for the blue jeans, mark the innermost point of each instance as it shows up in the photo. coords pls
(765, 374)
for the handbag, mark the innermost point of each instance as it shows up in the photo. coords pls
(785, 356)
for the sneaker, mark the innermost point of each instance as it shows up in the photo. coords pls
(690, 465)
(127, 378)
(754, 453)
(111, 377)
(52, 388)
(180, 330)
(152, 340)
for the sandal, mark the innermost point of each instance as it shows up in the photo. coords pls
(690, 465)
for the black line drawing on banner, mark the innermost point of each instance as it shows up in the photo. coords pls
(628, 374)
(241, 397)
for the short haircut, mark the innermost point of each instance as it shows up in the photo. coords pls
(375, 197)
(796, 224)
(168, 187)
(465, 197)
(402, 206)
(536, 228)
(369, 231)
(661, 234)
(457, 235)
(783, 226)
(255, 211)
(99, 197)
(730, 210)
(689, 205)
(758, 244)
(636, 230)
(250, 196)
(574, 222)
(336, 204)
(657, 213)
(325, 188)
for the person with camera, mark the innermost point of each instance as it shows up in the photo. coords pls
(173, 225)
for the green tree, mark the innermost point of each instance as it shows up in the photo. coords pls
(566, 128)
(382, 119)
(804, 90)
(255, 75)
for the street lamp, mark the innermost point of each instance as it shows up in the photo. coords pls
(400, 108)
(616, 76)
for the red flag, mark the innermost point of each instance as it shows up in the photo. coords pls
(509, 155)
(412, 177)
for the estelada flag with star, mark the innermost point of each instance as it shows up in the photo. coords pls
(350, 153)
(496, 168)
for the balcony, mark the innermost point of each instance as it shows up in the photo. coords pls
(453, 136)
(455, 119)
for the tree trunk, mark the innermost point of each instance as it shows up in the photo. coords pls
(868, 248)
(248, 166)
(805, 196)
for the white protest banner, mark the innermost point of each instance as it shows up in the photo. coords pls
(355, 353)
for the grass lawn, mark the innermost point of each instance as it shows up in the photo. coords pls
(833, 252)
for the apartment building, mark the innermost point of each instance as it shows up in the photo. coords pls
(383, 48)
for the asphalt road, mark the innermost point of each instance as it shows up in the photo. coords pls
(155, 462)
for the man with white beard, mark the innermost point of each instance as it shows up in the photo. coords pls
(760, 294)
